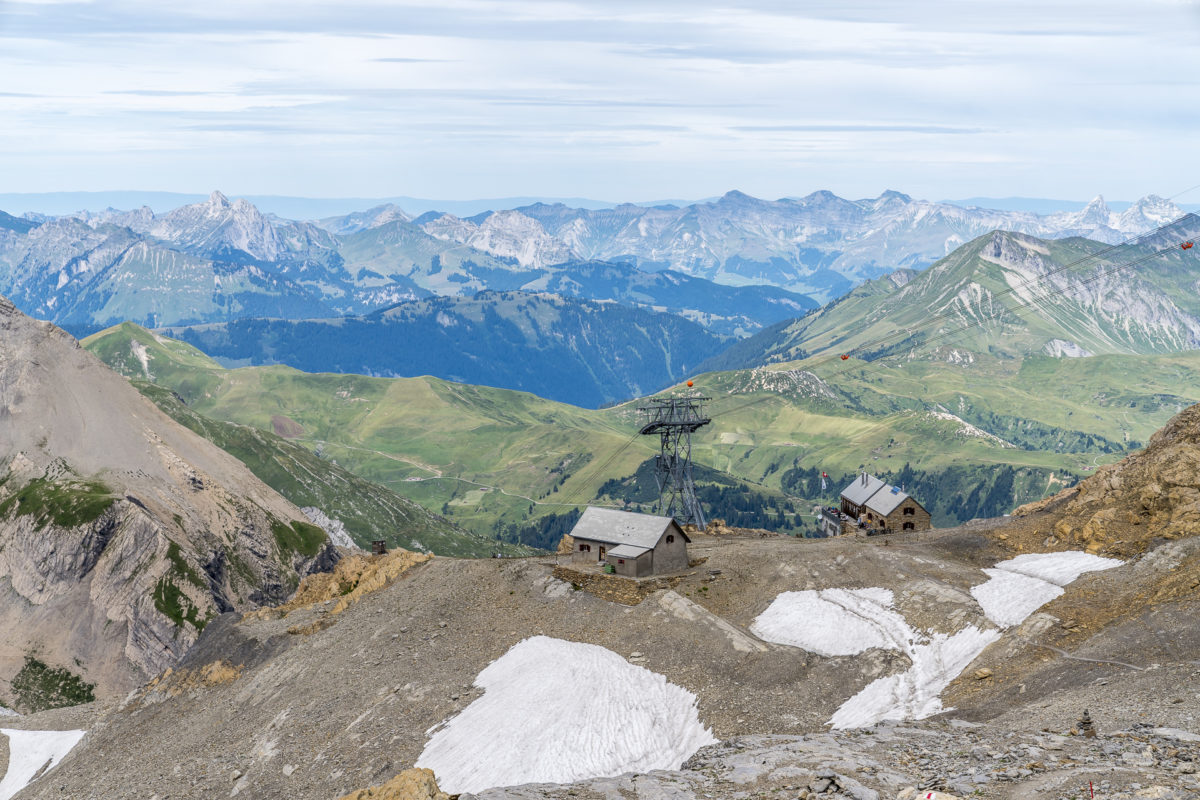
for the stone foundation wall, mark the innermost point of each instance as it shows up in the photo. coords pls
(615, 588)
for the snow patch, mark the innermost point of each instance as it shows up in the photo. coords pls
(1062, 348)
(1008, 598)
(1019, 586)
(8, 712)
(842, 622)
(834, 622)
(838, 622)
(32, 752)
(915, 693)
(142, 355)
(556, 712)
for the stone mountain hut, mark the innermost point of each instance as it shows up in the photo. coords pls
(636, 545)
(878, 507)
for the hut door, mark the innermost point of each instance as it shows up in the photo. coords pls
(603, 549)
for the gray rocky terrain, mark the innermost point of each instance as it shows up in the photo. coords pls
(318, 705)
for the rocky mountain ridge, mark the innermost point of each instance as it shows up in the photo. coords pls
(1009, 294)
(122, 534)
(820, 244)
(222, 259)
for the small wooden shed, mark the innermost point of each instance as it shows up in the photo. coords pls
(636, 545)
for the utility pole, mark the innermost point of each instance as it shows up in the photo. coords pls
(673, 419)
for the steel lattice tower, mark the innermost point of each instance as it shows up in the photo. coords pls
(673, 419)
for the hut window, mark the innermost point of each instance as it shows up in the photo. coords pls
(620, 561)
(909, 526)
(585, 548)
(670, 538)
(909, 511)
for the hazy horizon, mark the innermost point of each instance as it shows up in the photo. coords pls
(308, 207)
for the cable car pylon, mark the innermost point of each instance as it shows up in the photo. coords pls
(673, 420)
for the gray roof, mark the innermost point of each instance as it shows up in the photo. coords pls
(886, 500)
(621, 527)
(627, 551)
(859, 493)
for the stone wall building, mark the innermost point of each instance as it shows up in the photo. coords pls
(874, 506)
(636, 545)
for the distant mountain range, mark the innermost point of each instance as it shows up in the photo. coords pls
(561, 348)
(220, 260)
(223, 260)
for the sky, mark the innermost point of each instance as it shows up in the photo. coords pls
(618, 100)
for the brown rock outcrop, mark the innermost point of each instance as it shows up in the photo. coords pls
(412, 784)
(1152, 494)
(353, 578)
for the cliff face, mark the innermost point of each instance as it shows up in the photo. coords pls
(122, 534)
(1123, 508)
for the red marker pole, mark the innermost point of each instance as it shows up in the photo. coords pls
(1091, 791)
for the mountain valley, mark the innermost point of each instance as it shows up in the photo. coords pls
(198, 498)
(484, 457)
(561, 348)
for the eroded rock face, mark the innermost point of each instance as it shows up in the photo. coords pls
(122, 533)
(1152, 494)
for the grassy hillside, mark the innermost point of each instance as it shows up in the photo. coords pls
(476, 455)
(368, 510)
(1008, 295)
(511, 464)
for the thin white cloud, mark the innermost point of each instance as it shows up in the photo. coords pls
(620, 99)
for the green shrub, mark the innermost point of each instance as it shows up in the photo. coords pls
(175, 605)
(299, 537)
(66, 504)
(38, 687)
(170, 600)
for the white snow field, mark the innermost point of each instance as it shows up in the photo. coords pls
(31, 751)
(1022, 585)
(839, 622)
(555, 712)
(834, 622)
(915, 693)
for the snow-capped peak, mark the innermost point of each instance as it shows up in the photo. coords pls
(1150, 212)
(1096, 212)
(216, 227)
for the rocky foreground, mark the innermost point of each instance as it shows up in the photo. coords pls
(341, 689)
(905, 761)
